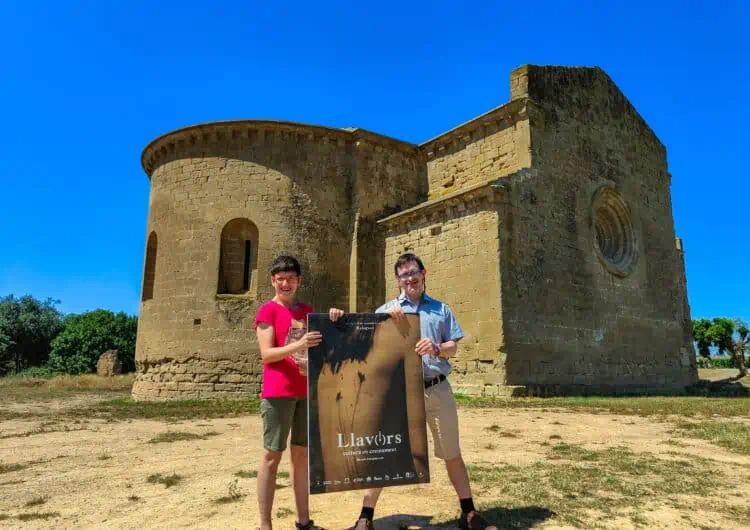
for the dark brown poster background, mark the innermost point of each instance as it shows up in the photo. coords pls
(366, 418)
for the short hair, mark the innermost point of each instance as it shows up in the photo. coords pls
(285, 264)
(405, 259)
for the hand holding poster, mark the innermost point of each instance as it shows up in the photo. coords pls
(366, 416)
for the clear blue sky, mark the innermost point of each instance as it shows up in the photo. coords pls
(84, 86)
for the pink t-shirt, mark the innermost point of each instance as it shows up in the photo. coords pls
(282, 378)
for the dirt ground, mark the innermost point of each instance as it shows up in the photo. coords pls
(93, 473)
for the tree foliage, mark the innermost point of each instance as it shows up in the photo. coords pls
(87, 335)
(27, 327)
(725, 336)
(702, 341)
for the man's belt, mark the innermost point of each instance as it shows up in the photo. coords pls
(434, 381)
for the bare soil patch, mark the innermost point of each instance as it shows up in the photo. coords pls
(551, 464)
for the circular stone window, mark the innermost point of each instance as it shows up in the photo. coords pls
(616, 242)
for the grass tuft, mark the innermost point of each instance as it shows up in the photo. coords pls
(9, 468)
(177, 436)
(37, 501)
(34, 516)
(167, 480)
(234, 493)
(246, 474)
(283, 512)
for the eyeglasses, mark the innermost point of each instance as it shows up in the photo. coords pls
(409, 275)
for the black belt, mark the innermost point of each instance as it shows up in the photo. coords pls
(434, 381)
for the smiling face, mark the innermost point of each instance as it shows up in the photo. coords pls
(410, 279)
(286, 284)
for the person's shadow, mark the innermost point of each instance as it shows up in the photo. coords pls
(504, 518)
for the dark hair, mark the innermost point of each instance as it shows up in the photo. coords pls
(285, 264)
(405, 259)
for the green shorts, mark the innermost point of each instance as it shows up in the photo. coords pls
(281, 415)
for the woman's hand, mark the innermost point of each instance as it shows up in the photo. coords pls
(334, 314)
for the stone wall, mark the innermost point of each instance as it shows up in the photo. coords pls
(389, 177)
(457, 238)
(296, 185)
(571, 319)
(545, 223)
(487, 147)
(293, 184)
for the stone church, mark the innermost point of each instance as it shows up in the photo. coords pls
(545, 223)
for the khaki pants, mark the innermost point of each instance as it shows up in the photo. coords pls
(442, 418)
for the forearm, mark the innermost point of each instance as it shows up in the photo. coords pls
(273, 355)
(448, 349)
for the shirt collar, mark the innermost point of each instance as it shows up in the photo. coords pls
(423, 300)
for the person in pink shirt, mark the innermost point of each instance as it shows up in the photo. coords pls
(280, 326)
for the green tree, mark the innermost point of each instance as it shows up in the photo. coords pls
(27, 327)
(727, 336)
(741, 345)
(87, 335)
(702, 341)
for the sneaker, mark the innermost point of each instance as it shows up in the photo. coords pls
(474, 521)
(364, 524)
(310, 525)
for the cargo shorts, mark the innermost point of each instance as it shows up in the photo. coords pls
(280, 417)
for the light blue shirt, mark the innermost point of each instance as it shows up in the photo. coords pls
(436, 322)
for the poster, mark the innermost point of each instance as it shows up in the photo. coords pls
(366, 415)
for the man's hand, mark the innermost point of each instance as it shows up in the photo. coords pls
(334, 314)
(425, 347)
(396, 313)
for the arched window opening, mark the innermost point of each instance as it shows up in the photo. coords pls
(149, 269)
(238, 260)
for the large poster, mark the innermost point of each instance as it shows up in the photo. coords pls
(366, 417)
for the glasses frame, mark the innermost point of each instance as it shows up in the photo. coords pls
(409, 275)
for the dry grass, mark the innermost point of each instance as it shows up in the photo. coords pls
(177, 436)
(24, 389)
(575, 482)
(35, 516)
(284, 512)
(124, 408)
(37, 501)
(640, 406)
(732, 435)
(71, 382)
(167, 480)
(9, 468)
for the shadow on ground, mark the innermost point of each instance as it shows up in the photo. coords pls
(728, 387)
(505, 518)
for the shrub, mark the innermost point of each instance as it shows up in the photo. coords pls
(86, 336)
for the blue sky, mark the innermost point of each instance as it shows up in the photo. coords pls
(84, 86)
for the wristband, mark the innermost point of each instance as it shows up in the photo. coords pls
(436, 349)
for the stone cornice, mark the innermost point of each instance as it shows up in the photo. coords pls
(484, 193)
(507, 115)
(221, 130)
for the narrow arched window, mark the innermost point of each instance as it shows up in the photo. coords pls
(238, 261)
(149, 269)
